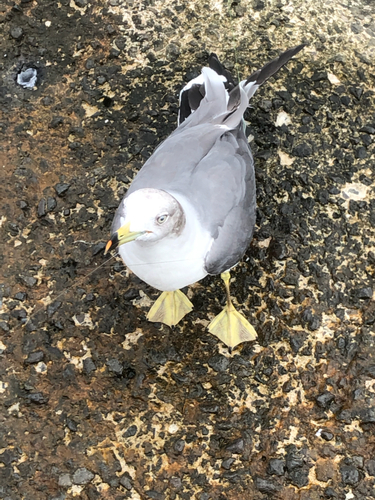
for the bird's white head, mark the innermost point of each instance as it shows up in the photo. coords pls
(147, 215)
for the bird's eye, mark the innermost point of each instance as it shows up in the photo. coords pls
(162, 218)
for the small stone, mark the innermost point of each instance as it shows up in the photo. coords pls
(56, 121)
(88, 366)
(28, 280)
(16, 32)
(326, 435)
(179, 446)
(4, 326)
(81, 3)
(219, 363)
(330, 493)
(237, 447)
(266, 486)
(72, 426)
(126, 482)
(130, 431)
(299, 477)
(367, 416)
(361, 153)
(349, 474)
(115, 366)
(227, 464)
(276, 467)
(173, 51)
(38, 398)
(7, 457)
(175, 482)
(293, 461)
(325, 399)
(51, 203)
(364, 293)
(277, 249)
(370, 466)
(357, 460)
(155, 495)
(90, 63)
(23, 205)
(34, 357)
(20, 296)
(61, 188)
(65, 481)
(42, 208)
(367, 130)
(302, 150)
(99, 247)
(82, 476)
(52, 308)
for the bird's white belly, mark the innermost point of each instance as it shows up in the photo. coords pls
(166, 265)
(173, 262)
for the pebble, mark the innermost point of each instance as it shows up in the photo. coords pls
(266, 486)
(364, 293)
(28, 280)
(82, 476)
(276, 467)
(126, 482)
(34, 357)
(88, 365)
(302, 150)
(349, 474)
(237, 447)
(370, 466)
(56, 121)
(42, 208)
(61, 188)
(115, 366)
(330, 493)
(179, 446)
(99, 247)
(38, 398)
(219, 363)
(324, 399)
(51, 203)
(80, 3)
(326, 435)
(277, 249)
(299, 477)
(367, 416)
(65, 481)
(227, 464)
(72, 426)
(16, 32)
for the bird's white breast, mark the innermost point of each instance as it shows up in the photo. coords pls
(172, 262)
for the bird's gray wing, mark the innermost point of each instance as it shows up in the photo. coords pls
(223, 191)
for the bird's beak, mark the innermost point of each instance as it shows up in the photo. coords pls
(121, 236)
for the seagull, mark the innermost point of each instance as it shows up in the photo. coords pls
(190, 211)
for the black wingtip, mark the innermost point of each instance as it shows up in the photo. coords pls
(263, 74)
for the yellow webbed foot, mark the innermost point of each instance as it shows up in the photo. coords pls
(231, 327)
(170, 308)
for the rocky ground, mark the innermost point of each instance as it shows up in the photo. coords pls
(95, 401)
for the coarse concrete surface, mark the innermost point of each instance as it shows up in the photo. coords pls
(97, 403)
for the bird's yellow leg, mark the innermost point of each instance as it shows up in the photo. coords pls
(170, 308)
(230, 326)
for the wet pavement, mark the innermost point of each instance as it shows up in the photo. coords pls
(95, 401)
